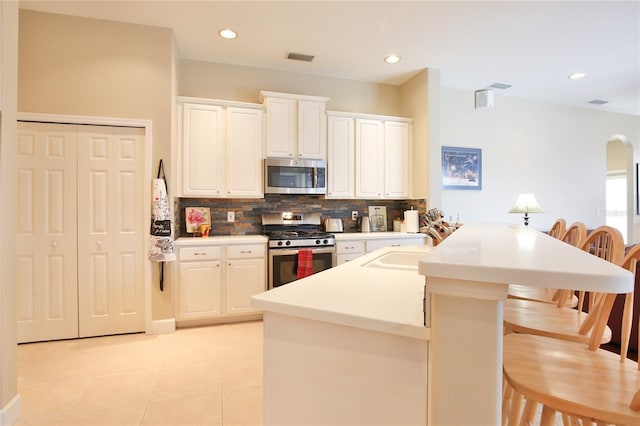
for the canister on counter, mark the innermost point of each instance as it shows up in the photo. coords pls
(397, 224)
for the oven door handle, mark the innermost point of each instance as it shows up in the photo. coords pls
(289, 252)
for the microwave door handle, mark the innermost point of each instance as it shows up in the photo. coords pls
(315, 177)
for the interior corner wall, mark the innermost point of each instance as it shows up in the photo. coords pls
(9, 398)
(239, 83)
(556, 152)
(416, 96)
(88, 67)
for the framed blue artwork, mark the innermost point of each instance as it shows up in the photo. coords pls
(461, 168)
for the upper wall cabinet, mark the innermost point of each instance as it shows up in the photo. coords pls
(296, 125)
(368, 156)
(221, 149)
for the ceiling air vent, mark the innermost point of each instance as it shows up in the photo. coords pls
(300, 57)
(500, 86)
(598, 102)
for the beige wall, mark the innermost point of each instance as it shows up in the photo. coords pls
(237, 83)
(8, 297)
(78, 66)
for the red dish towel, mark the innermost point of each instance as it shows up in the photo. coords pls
(305, 263)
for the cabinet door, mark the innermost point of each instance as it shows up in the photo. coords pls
(341, 158)
(244, 153)
(245, 278)
(397, 170)
(369, 158)
(202, 150)
(312, 133)
(280, 127)
(200, 290)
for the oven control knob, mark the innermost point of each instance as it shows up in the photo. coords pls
(279, 243)
(325, 242)
(317, 241)
(288, 243)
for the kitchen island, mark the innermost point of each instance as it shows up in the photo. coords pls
(349, 345)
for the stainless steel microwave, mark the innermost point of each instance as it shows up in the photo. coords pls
(283, 176)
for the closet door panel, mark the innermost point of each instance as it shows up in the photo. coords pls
(112, 231)
(46, 232)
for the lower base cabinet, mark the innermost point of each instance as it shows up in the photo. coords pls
(349, 249)
(217, 282)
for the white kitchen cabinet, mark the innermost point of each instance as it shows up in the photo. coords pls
(217, 279)
(200, 283)
(340, 157)
(245, 277)
(369, 158)
(352, 246)
(397, 156)
(244, 154)
(221, 149)
(202, 150)
(296, 126)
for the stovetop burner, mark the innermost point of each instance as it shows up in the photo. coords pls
(288, 230)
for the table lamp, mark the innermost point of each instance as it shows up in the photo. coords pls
(526, 204)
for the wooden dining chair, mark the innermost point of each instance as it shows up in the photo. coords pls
(583, 383)
(574, 235)
(558, 229)
(527, 316)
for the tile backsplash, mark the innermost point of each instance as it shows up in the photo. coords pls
(248, 212)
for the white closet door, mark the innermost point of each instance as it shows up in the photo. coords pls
(46, 232)
(111, 230)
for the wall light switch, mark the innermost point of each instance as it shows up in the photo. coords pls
(231, 217)
(354, 215)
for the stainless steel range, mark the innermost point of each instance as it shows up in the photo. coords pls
(288, 233)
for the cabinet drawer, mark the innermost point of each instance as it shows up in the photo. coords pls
(345, 247)
(200, 253)
(246, 251)
(396, 242)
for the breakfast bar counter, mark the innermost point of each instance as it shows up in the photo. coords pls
(361, 344)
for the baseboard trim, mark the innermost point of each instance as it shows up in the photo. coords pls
(162, 326)
(11, 412)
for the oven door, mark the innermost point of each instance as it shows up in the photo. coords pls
(283, 264)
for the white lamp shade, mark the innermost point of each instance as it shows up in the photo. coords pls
(526, 204)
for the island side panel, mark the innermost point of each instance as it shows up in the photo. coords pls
(318, 373)
(466, 351)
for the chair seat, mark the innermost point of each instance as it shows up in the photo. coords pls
(544, 319)
(537, 294)
(561, 375)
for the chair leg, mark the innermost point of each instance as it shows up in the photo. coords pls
(516, 409)
(548, 417)
(507, 393)
(529, 413)
(626, 326)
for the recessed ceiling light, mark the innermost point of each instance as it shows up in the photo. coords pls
(392, 59)
(227, 33)
(501, 86)
(576, 76)
(598, 102)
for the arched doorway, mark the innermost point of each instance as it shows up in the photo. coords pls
(619, 186)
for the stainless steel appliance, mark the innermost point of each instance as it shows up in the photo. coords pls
(295, 176)
(333, 225)
(288, 232)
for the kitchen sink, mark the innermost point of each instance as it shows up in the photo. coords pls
(407, 260)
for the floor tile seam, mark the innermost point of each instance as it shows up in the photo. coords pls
(119, 373)
(186, 396)
(78, 396)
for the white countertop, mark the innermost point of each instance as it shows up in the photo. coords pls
(221, 239)
(375, 235)
(377, 299)
(520, 255)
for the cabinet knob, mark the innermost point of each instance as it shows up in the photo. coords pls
(54, 245)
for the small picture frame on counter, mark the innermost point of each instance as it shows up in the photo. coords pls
(197, 219)
(378, 218)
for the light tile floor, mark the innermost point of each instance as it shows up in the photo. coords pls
(195, 376)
